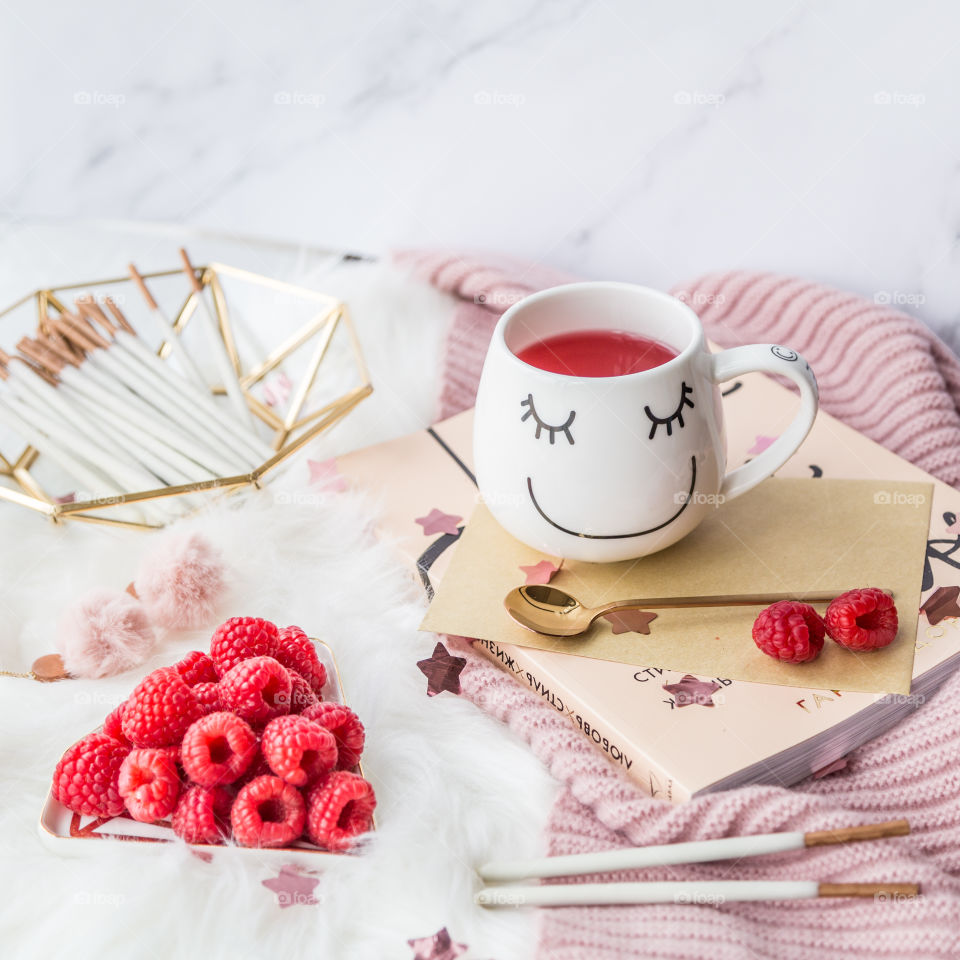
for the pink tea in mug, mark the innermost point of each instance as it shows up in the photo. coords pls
(596, 353)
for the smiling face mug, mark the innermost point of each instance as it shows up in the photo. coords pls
(609, 468)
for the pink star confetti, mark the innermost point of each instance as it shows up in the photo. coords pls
(277, 392)
(436, 521)
(760, 444)
(442, 671)
(630, 621)
(541, 572)
(326, 473)
(438, 947)
(689, 689)
(292, 888)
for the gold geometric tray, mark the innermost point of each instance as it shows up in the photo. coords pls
(305, 346)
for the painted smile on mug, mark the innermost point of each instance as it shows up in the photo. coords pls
(618, 536)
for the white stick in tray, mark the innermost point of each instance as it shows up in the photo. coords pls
(109, 412)
(29, 386)
(64, 451)
(169, 334)
(219, 348)
(107, 381)
(193, 400)
(152, 381)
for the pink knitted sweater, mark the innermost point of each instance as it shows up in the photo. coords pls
(885, 374)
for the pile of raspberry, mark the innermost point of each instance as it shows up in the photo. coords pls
(860, 620)
(237, 744)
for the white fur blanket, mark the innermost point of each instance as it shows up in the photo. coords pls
(454, 787)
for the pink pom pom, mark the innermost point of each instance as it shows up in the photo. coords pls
(181, 581)
(103, 634)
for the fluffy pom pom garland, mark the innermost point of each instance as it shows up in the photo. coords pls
(181, 581)
(104, 634)
(177, 587)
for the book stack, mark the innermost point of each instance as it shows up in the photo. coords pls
(677, 734)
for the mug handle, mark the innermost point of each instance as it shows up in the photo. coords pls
(768, 358)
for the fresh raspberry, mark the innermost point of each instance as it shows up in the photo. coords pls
(209, 696)
(339, 808)
(203, 815)
(301, 696)
(267, 813)
(298, 750)
(217, 749)
(241, 638)
(196, 667)
(113, 724)
(789, 631)
(863, 619)
(346, 728)
(150, 784)
(160, 709)
(85, 779)
(294, 649)
(257, 689)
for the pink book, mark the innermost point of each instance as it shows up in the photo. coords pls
(678, 735)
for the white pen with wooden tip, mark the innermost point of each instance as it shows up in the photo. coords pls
(697, 851)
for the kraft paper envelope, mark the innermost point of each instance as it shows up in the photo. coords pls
(786, 535)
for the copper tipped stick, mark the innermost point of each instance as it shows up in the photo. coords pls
(696, 851)
(712, 892)
(106, 389)
(168, 332)
(231, 381)
(180, 393)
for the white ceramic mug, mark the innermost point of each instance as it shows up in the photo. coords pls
(610, 468)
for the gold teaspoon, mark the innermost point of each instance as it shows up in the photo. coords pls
(553, 612)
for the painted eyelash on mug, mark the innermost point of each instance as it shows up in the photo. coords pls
(564, 428)
(677, 414)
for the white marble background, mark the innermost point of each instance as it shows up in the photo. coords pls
(645, 141)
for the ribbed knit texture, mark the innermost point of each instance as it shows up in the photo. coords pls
(883, 373)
